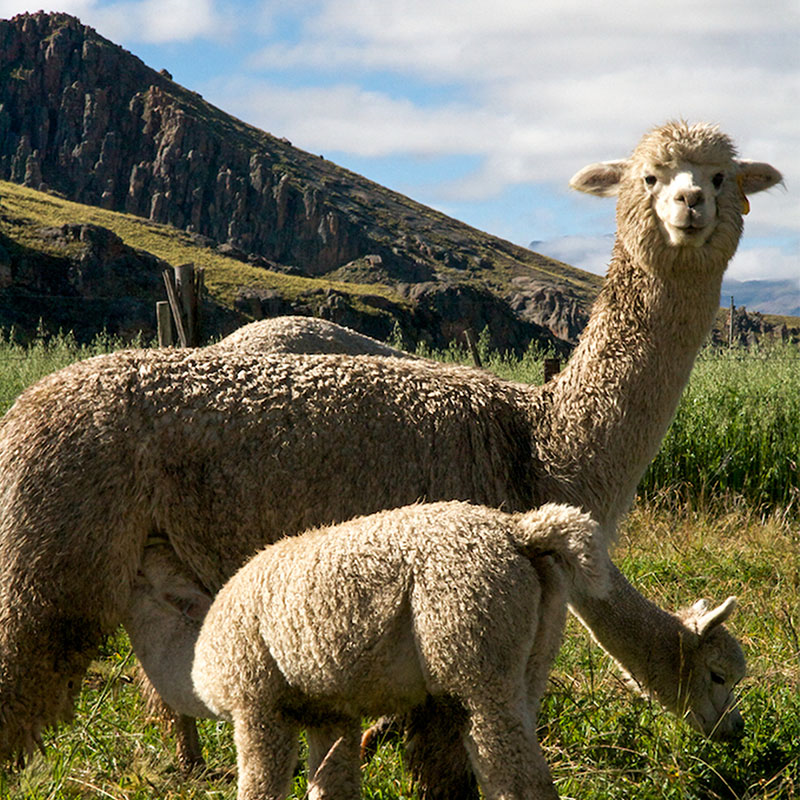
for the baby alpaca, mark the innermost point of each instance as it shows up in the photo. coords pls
(376, 614)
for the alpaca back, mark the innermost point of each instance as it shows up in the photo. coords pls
(276, 445)
(294, 334)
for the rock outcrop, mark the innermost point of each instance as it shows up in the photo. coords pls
(84, 118)
(88, 281)
(552, 306)
(751, 328)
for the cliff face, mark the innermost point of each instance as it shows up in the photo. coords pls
(84, 118)
(89, 120)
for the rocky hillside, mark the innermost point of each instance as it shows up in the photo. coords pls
(87, 120)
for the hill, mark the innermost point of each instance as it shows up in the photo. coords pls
(769, 297)
(85, 119)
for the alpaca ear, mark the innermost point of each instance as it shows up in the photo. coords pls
(755, 176)
(600, 179)
(710, 619)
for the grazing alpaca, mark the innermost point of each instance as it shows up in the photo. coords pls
(224, 453)
(294, 334)
(373, 615)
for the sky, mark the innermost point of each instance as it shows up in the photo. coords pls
(484, 110)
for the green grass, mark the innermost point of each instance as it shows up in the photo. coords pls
(601, 741)
(736, 430)
(22, 365)
(735, 436)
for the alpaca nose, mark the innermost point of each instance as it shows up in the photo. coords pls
(690, 197)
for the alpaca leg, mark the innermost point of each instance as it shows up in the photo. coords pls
(266, 755)
(501, 740)
(183, 728)
(333, 762)
(188, 749)
(435, 753)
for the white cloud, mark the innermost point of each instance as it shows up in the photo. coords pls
(758, 263)
(150, 21)
(553, 84)
(353, 120)
(482, 42)
(591, 253)
(159, 21)
(539, 89)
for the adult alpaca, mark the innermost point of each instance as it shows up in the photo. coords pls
(98, 455)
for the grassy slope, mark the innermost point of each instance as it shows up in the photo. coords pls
(23, 211)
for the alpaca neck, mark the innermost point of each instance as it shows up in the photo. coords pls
(642, 638)
(612, 404)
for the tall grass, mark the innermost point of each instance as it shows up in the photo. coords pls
(736, 430)
(22, 365)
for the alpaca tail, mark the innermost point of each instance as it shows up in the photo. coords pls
(573, 538)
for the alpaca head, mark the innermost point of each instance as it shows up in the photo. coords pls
(713, 663)
(681, 194)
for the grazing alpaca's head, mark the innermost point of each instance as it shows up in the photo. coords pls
(681, 194)
(717, 667)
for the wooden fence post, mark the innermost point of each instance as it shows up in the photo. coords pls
(552, 366)
(184, 285)
(476, 356)
(730, 324)
(165, 335)
(175, 306)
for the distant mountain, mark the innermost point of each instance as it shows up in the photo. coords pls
(768, 297)
(85, 119)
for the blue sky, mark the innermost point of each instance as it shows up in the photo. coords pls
(484, 110)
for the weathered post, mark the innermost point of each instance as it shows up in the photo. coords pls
(730, 324)
(476, 356)
(552, 366)
(175, 306)
(184, 285)
(166, 337)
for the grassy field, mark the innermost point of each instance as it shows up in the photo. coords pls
(718, 515)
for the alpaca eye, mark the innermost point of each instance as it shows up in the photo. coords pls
(717, 180)
(717, 678)
(651, 180)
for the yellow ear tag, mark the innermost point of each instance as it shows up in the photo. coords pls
(745, 201)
